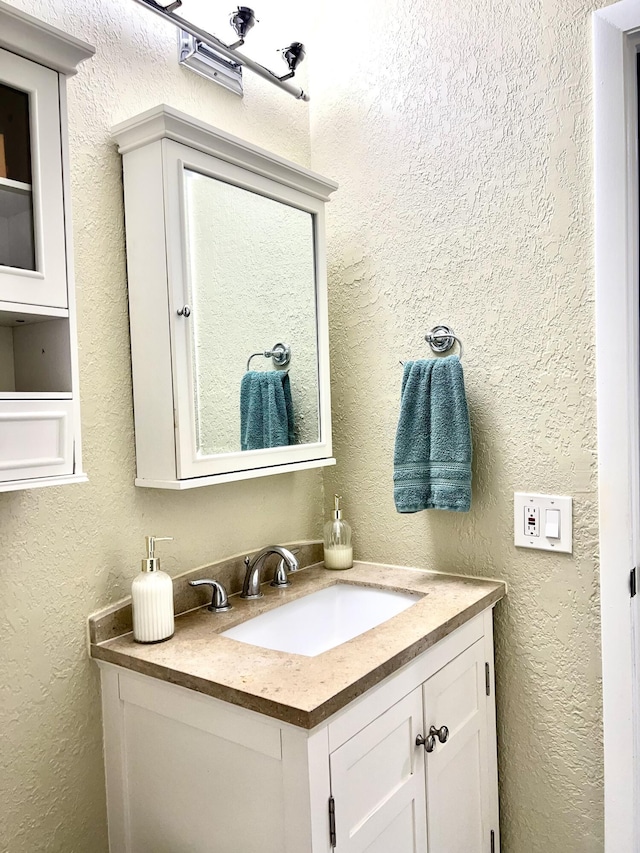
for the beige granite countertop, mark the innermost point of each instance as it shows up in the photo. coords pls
(297, 689)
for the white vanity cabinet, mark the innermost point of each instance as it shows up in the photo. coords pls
(39, 406)
(189, 772)
(378, 776)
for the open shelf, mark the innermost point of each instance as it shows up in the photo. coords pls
(15, 186)
(17, 247)
(36, 395)
(17, 314)
(35, 360)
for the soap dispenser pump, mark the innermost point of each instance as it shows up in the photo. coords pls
(338, 552)
(152, 598)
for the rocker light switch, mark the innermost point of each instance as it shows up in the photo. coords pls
(543, 522)
(552, 524)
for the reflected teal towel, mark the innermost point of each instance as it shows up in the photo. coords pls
(432, 461)
(266, 410)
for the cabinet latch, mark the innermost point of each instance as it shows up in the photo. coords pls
(332, 821)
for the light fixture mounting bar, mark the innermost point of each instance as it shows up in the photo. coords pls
(208, 63)
(224, 50)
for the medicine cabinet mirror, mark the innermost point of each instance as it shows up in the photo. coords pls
(228, 304)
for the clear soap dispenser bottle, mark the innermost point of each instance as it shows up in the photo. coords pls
(152, 598)
(338, 552)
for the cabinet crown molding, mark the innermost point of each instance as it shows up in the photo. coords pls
(164, 122)
(34, 39)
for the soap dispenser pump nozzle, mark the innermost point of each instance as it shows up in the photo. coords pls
(337, 512)
(151, 563)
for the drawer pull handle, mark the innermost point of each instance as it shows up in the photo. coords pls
(429, 742)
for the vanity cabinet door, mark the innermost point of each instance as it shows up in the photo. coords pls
(32, 220)
(377, 782)
(459, 772)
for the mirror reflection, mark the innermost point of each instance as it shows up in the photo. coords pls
(251, 270)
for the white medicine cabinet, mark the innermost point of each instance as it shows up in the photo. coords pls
(227, 302)
(39, 405)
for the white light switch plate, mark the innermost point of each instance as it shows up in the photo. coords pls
(528, 506)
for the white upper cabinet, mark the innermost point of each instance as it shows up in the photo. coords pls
(39, 400)
(227, 304)
(32, 241)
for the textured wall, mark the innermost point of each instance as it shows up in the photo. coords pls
(463, 150)
(460, 134)
(68, 551)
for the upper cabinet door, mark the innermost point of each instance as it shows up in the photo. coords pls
(32, 240)
(244, 258)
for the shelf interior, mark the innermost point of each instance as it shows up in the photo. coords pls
(34, 357)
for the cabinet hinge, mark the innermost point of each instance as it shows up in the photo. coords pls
(332, 821)
(487, 679)
(493, 842)
(633, 583)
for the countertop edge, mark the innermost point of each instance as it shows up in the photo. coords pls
(290, 713)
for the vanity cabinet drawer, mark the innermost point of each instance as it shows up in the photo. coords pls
(36, 438)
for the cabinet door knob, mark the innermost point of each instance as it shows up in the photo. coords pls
(185, 311)
(429, 742)
(442, 733)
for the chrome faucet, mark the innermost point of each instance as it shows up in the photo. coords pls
(251, 585)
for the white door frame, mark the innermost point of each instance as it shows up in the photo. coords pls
(616, 36)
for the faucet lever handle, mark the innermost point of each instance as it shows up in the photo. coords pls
(219, 600)
(280, 576)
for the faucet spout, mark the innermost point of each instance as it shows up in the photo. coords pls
(251, 585)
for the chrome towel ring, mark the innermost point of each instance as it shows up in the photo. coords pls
(441, 339)
(280, 353)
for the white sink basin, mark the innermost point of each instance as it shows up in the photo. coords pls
(322, 620)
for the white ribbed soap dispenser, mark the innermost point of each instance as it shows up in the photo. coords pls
(338, 553)
(152, 598)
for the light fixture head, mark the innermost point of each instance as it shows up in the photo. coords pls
(293, 56)
(242, 21)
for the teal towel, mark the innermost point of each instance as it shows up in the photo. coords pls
(432, 461)
(266, 410)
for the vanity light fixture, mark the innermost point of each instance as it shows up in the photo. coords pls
(242, 21)
(293, 56)
(210, 57)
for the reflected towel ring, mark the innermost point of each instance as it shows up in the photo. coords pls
(279, 353)
(441, 339)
